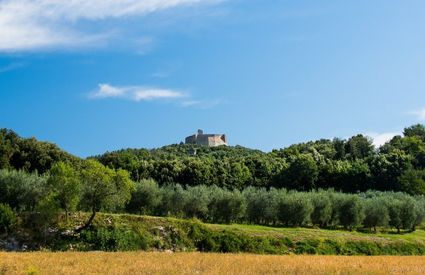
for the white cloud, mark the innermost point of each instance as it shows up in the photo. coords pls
(420, 114)
(144, 93)
(39, 24)
(135, 93)
(380, 139)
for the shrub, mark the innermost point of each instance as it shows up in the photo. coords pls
(7, 218)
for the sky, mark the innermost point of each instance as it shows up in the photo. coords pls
(99, 75)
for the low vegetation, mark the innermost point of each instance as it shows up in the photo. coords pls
(118, 232)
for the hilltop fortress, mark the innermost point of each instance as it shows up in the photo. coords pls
(206, 139)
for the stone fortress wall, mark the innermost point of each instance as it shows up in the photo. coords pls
(206, 139)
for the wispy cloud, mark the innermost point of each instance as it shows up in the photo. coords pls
(420, 114)
(146, 93)
(380, 139)
(135, 93)
(202, 104)
(11, 67)
(40, 24)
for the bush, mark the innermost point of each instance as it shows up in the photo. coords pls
(7, 218)
(114, 239)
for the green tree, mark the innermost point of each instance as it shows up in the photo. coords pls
(350, 211)
(322, 208)
(226, 206)
(64, 182)
(174, 198)
(8, 218)
(146, 197)
(301, 174)
(260, 206)
(197, 201)
(417, 130)
(387, 168)
(376, 213)
(408, 213)
(394, 211)
(295, 209)
(359, 147)
(104, 188)
(21, 190)
(413, 182)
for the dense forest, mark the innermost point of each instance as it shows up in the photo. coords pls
(352, 165)
(302, 185)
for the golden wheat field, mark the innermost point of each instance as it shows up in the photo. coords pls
(203, 263)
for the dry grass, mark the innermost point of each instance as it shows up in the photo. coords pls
(198, 263)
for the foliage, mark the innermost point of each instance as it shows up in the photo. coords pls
(64, 182)
(145, 198)
(8, 218)
(322, 209)
(350, 210)
(104, 188)
(21, 190)
(348, 165)
(29, 154)
(376, 213)
(295, 209)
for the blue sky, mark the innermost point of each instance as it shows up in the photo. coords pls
(100, 75)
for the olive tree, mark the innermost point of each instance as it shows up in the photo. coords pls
(64, 182)
(376, 213)
(104, 188)
(350, 211)
(145, 198)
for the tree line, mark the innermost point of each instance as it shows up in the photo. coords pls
(41, 199)
(352, 165)
(347, 165)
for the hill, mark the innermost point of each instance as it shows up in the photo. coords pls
(348, 165)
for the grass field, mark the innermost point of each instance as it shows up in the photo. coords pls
(299, 234)
(203, 263)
